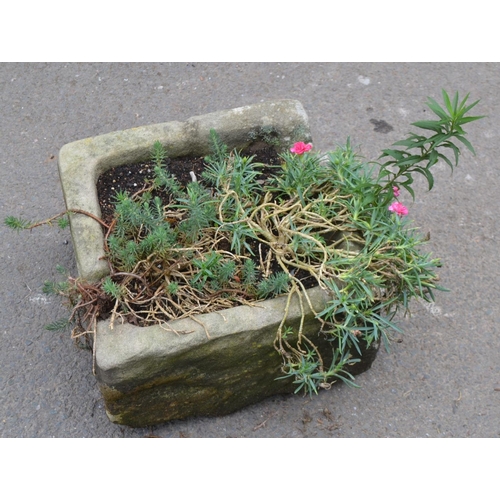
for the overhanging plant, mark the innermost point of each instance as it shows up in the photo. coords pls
(246, 231)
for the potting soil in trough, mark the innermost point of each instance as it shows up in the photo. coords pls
(132, 178)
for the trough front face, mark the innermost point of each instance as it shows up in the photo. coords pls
(209, 367)
(215, 363)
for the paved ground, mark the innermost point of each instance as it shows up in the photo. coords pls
(442, 379)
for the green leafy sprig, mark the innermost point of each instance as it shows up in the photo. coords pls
(422, 152)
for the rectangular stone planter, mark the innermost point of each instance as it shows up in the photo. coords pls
(216, 363)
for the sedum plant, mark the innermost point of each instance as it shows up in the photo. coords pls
(247, 231)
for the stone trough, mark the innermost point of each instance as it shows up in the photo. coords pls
(212, 364)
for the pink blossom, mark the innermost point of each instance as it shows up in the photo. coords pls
(395, 190)
(300, 148)
(398, 208)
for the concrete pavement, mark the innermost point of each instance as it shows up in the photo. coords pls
(441, 378)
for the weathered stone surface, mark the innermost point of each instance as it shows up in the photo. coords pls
(152, 375)
(218, 362)
(82, 162)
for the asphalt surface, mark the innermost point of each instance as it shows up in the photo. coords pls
(440, 379)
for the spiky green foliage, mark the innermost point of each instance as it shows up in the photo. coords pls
(112, 289)
(226, 272)
(158, 155)
(238, 236)
(298, 175)
(63, 222)
(58, 325)
(218, 148)
(249, 272)
(17, 223)
(55, 288)
(140, 230)
(167, 181)
(172, 288)
(201, 211)
(274, 285)
(206, 267)
(310, 376)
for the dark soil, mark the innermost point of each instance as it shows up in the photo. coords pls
(133, 178)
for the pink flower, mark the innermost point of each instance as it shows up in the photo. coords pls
(398, 208)
(300, 148)
(395, 190)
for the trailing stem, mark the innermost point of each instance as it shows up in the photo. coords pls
(247, 231)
